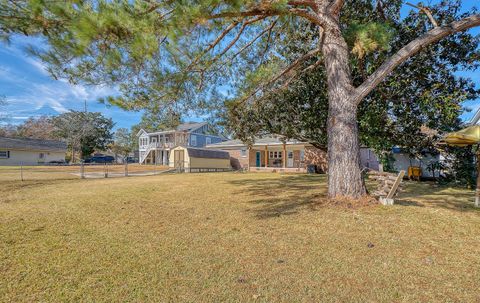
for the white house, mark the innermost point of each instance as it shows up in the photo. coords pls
(25, 151)
(155, 147)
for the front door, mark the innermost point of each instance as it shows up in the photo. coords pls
(179, 158)
(258, 158)
(290, 159)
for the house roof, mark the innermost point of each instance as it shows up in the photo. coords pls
(188, 127)
(207, 153)
(32, 144)
(476, 118)
(269, 140)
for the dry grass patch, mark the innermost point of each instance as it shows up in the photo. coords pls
(232, 237)
(61, 172)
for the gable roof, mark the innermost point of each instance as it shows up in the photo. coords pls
(190, 126)
(207, 153)
(32, 144)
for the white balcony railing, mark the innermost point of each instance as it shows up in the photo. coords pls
(157, 145)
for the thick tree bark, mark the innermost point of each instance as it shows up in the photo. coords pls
(344, 174)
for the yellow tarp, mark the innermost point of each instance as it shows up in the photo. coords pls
(464, 137)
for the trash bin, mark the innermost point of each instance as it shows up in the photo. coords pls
(311, 169)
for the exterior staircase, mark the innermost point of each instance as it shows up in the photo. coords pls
(152, 146)
(155, 146)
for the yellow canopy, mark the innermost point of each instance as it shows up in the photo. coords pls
(464, 137)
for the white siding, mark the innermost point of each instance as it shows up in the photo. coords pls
(26, 157)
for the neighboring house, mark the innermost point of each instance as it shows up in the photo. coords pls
(271, 153)
(24, 151)
(368, 159)
(403, 160)
(198, 159)
(155, 147)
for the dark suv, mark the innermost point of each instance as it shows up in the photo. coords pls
(100, 159)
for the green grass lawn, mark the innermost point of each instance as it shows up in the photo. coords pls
(232, 237)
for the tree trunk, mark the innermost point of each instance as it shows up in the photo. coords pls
(344, 174)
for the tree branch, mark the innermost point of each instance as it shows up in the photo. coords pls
(410, 50)
(268, 29)
(250, 13)
(427, 12)
(237, 37)
(214, 43)
(283, 72)
(335, 6)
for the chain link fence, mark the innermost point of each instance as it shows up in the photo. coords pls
(79, 171)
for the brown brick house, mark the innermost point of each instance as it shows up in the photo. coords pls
(271, 153)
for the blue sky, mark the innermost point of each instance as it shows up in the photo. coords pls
(31, 92)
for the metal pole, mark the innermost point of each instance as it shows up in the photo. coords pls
(82, 171)
(477, 191)
(21, 170)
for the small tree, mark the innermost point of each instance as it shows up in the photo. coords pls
(37, 128)
(123, 143)
(84, 131)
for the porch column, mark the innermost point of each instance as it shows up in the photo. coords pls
(284, 155)
(165, 157)
(266, 156)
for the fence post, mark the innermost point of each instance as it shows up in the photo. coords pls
(106, 170)
(21, 170)
(126, 168)
(82, 171)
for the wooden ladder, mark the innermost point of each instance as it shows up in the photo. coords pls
(388, 186)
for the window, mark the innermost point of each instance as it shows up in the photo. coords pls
(302, 155)
(208, 140)
(275, 155)
(41, 156)
(4, 154)
(243, 153)
(193, 140)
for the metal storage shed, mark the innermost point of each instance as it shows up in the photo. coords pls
(191, 159)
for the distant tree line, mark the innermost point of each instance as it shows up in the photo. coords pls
(84, 132)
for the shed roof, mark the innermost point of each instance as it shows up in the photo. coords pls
(207, 153)
(32, 144)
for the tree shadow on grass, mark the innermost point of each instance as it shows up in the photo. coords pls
(282, 196)
(291, 194)
(427, 194)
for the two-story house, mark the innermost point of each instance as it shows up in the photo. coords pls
(155, 147)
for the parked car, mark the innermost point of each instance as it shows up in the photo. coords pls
(57, 162)
(99, 159)
(131, 160)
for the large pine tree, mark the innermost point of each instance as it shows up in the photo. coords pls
(182, 52)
